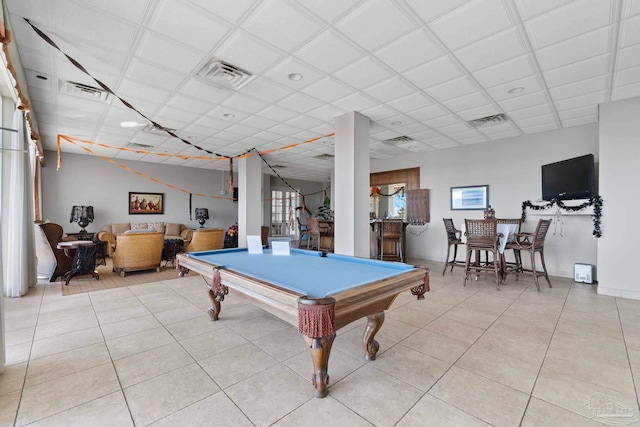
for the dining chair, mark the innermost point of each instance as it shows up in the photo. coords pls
(390, 231)
(313, 232)
(532, 243)
(303, 232)
(453, 239)
(482, 235)
(508, 264)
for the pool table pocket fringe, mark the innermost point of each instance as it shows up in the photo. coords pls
(316, 320)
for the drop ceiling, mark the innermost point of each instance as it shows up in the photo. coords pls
(420, 69)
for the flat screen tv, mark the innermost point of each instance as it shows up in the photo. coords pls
(569, 179)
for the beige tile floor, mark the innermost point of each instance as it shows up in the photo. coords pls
(466, 356)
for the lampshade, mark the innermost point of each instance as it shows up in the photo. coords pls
(202, 215)
(83, 215)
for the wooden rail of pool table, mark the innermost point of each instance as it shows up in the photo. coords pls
(370, 300)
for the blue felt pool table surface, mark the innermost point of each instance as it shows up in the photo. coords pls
(305, 272)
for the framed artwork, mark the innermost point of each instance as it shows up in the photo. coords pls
(146, 203)
(475, 197)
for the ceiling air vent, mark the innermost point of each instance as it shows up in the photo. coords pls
(324, 156)
(400, 140)
(157, 130)
(489, 120)
(86, 91)
(226, 76)
(278, 167)
(137, 146)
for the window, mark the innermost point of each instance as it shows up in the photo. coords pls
(283, 212)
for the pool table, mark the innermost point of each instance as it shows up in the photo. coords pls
(317, 292)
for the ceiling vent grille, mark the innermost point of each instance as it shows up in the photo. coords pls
(400, 140)
(324, 156)
(86, 91)
(489, 120)
(157, 130)
(279, 167)
(226, 76)
(138, 146)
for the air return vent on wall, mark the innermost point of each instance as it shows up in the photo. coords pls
(86, 91)
(226, 76)
(489, 120)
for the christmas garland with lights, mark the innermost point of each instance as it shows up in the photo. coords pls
(595, 201)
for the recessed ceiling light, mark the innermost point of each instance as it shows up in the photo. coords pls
(396, 123)
(295, 76)
(516, 89)
(131, 124)
(229, 115)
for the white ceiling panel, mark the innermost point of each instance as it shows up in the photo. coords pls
(424, 64)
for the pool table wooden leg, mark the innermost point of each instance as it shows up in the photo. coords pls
(320, 349)
(370, 345)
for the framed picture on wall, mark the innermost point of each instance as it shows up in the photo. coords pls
(146, 203)
(475, 197)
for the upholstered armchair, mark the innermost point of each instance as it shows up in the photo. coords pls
(54, 234)
(171, 230)
(206, 240)
(138, 251)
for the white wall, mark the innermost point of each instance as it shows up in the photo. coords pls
(511, 168)
(619, 175)
(88, 180)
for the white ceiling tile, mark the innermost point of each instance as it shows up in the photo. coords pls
(179, 114)
(411, 102)
(157, 48)
(443, 121)
(280, 73)
(492, 50)
(628, 57)
(580, 88)
(266, 22)
(594, 43)
(153, 75)
(513, 69)
(329, 52)
(578, 112)
(530, 8)
(32, 60)
(580, 121)
(379, 112)
(129, 88)
(540, 128)
(427, 113)
(443, 143)
(188, 103)
(266, 90)
(624, 92)
(582, 70)
(431, 9)
(453, 89)
(466, 102)
(304, 122)
(630, 8)
(231, 11)
(627, 76)
(244, 103)
(434, 72)
(300, 103)
(497, 128)
(524, 101)
(391, 89)
(205, 91)
(204, 31)
(473, 140)
(326, 112)
(258, 122)
(582, 101)
(284, 129)
(328, 90)
(506, 134)
(329, 10)
(630, 31)
(413, 129)
(363, 73)
(525, 113)
(278, 113)
(402, 55)
(453, 129)
(234, 51)
(386, 17)
(479, 112)
(569, 21)
(530, 84)
(355, 102)
(536, 121)
(243, 129)
(471, 22)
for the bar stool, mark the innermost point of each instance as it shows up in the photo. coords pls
(390, 230)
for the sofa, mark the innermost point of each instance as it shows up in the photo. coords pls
(171, 230)
(138, 251)
(205, 240)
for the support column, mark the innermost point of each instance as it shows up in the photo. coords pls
(249, 198)
(351, 185)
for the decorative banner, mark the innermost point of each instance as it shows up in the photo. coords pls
(595, 201)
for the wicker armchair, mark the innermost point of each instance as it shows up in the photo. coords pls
(313, 232)
(532, 243)
(482, 235)
(206, 240)
(138, 251)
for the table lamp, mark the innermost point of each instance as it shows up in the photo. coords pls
(83, 215)
(202, 215)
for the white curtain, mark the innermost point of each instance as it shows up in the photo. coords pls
(18, 246)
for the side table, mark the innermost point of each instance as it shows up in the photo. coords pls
(84, 259)
(80, 236)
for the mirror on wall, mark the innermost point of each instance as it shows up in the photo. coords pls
(387, 201)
